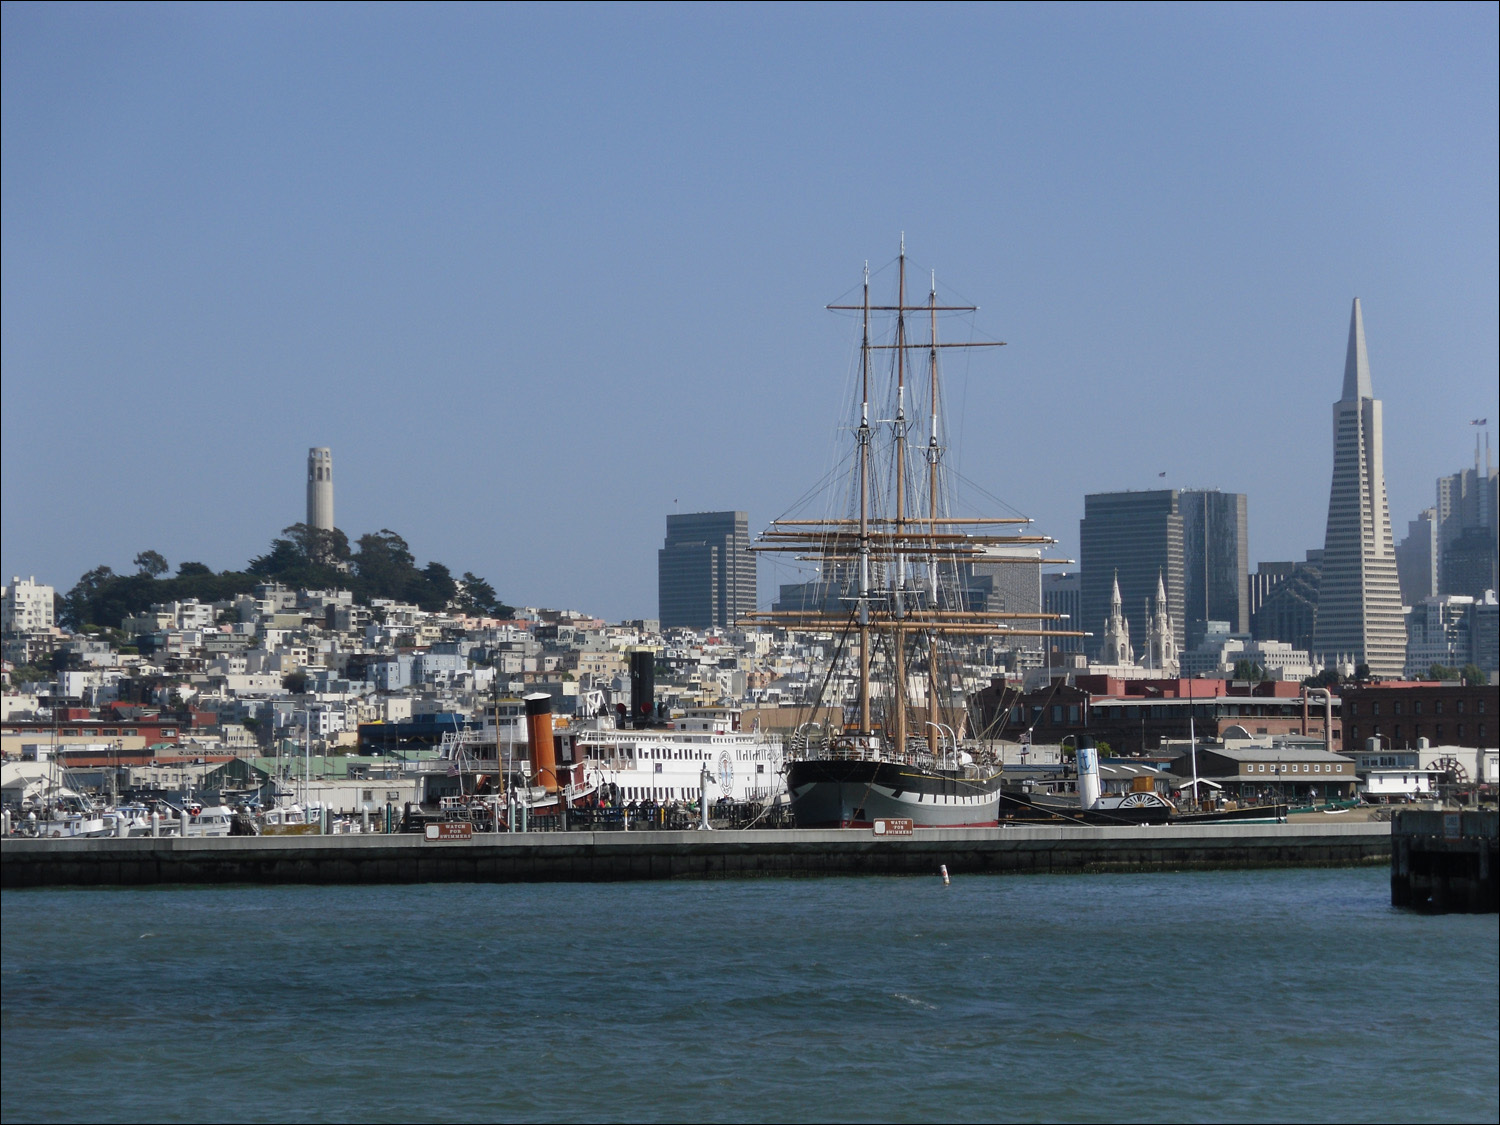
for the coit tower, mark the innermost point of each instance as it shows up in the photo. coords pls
(320, 488)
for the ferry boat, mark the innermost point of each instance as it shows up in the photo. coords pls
(704, 749)
(894, 568)
(497, 780)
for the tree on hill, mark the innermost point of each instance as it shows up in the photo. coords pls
(78, 603)
(477, 596)
(305, 557)
(301, 557)
(385, 563)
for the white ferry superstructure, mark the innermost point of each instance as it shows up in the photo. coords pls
(667, 763)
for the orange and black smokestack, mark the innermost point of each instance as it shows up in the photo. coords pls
(539, 734)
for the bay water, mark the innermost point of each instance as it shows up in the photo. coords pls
(1289, 995)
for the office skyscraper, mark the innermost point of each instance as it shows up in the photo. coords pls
(320, 488)
(705, 571)
(1215, 561)
(1359, 597)
(1135, 537)
(1417, 558)
(1466, 516)
(1060, 594)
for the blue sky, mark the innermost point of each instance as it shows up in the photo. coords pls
(539, 274)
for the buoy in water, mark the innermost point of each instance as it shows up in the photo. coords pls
(943, 869)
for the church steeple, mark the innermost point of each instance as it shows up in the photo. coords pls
(1161, 645)
(1116, 649)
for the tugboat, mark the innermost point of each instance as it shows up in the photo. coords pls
(895, 590)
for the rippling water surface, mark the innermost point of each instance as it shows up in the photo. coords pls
(1273, 995)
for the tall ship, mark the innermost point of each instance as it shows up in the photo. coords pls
(896, 591)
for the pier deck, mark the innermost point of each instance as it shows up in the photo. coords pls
(613, 856)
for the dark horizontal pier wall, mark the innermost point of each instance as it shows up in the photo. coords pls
(1445, 862)
(608, 856)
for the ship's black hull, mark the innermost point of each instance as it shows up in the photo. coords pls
(1060, 808)
(852, 793)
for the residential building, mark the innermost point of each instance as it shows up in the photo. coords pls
(26, 606)
(1359, 598)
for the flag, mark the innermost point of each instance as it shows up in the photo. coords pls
(1480, 422)
(1161, 474)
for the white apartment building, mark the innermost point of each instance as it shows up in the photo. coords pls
(26, 606)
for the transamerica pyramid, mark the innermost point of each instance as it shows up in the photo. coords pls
(1359, 599)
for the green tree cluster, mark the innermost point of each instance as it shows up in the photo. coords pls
(1470, 673)
(103, 599)
(379, 565)
(1249, 670)
(1327, 678)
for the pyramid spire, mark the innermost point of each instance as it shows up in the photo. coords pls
(1357, 360)
(1359, 597)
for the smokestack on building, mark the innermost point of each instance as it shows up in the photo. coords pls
(539, 732)
(320, 488)
(642, 686)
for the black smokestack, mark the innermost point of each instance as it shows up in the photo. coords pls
(642, 687)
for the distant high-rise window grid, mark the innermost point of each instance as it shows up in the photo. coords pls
(705, 571)
(1195, 541)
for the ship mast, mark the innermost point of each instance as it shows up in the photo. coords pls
(884, 539)
(934, 455)
(863, 438)
(898, 633)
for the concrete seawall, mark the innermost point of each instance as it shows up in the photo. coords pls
(1445, 861)
(612, 856)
